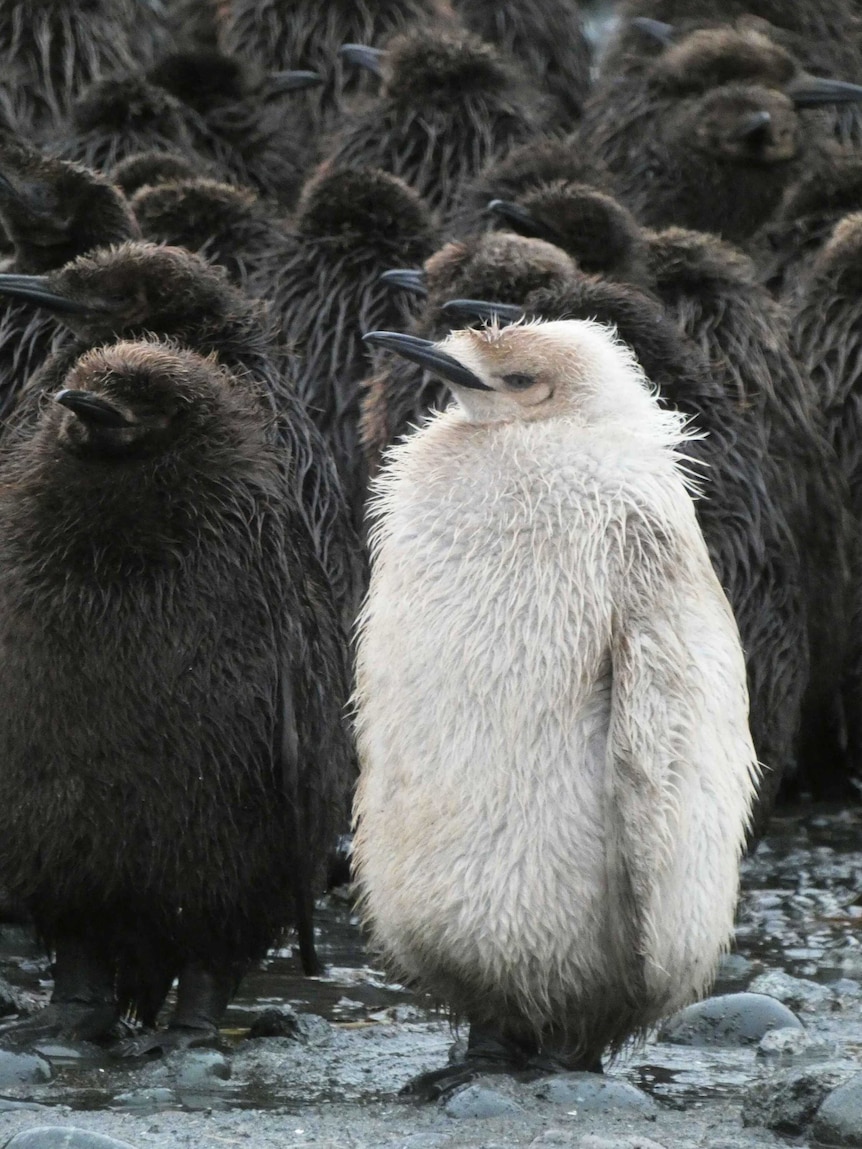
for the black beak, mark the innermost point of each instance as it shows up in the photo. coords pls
(812, 91)
(37, 288)
(92, 408)
(753, 126)
(522, 220)
(428, 355)
(657, 29)
(470, 309)
(363, 57)
(8, 189)
(408, 279)
(279, 83)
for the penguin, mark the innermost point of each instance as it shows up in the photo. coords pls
(252, 113)
(449, 103)
(496, 265)
(350, 226)
(149, 169)
(721, 108)
(137, 288)
(51, 212)
(304, 34)
(549, 42)
(551, 710)
(227, 225)
(149, 500)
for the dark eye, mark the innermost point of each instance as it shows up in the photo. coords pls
(518, 382)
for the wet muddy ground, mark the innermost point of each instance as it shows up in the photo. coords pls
(357, 1038)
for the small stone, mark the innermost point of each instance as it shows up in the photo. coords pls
(728, 1020)
(200, 1069)
(283, 1022)
(553, 1137)
(426, 1141)
(7, 1105)
(22, 1069)
(787, 1101)
(591, 1141)
(593, 1093)
(734, 967)
(12, 1000)
(839, 1120)
(138, 1098)
(63, 1137)
(785, 1043)
(479, 1101)
(795, 992)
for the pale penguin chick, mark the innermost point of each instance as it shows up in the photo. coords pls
(552, 715)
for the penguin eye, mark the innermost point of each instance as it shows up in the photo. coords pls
(518, 382)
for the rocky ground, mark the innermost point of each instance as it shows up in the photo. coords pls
(738, 1072)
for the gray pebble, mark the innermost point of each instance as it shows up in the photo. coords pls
(795, 992)
(731, 1019)
(839, 1120)
(479, 1101)
(139, 1098)
(591, 1141)
(200, 1068)
(11, 1000)
(22, 1069)
(734, 967)
(425, 1141)
(593, 1093)
(7, 1105)
(554, 1137)
(63, 1137)
(787, 1101)
(786, 1043)
(283, 1022)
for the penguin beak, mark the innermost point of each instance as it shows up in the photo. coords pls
(37, 288)
(428, 355)
(753, 126)
(813, 91)
(8, 189)
(656, 29)
(279, 83)
(523, 221)
(470, 309)
(92, 408)
(408, 279)
(363, 57)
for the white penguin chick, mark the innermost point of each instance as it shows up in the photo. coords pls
(552, 712)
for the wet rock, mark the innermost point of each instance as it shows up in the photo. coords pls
(839, 1120)
(795, 992)
(591, 1141)
(788, 1101)
(200, 1069)
(593, 1093)
(282, 1022)
(734, 967)
(143, 1098)
(22, 1069)
(63, 1137)
(731, 1019)
(426, 1141)
(785, 1044)
(12, 1001)
(7, 1105)
(480, 1101)
(552, 1138)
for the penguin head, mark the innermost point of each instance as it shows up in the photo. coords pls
(149, 169)
(190, 212)
(711, 57)
(497, 265)
(53, 210)
(136, 398)
(126, 104)
(738, 123)
(354, 207)
(840, 260)
(532, 371)
(208, 78)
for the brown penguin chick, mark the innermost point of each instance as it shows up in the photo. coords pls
(712, 291)
(528, 166)
(307, 34)
(499, 265)
(785, 246)
(546, 38)
(149, 169)
(351, 225)
(744, 523)
(52, 212)
(51, 50)
(251, 112)
(227, 225)
(448, 105)
(826, 326)
(149, 500)
(136, 289)
(120, 117)
(722, 109)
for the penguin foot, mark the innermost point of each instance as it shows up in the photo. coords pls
(439, 1083)
(69, 1020)
(161, 1042)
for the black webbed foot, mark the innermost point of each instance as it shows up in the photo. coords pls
(161, 1042)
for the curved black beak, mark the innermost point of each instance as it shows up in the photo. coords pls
(757, 124)
(657, 29)
(278, 83)
(813, 91)
(363, 57)
(408, 279)
(471, 309)
(428, 355)
(38, 289)
(92, 408)
(522, 220)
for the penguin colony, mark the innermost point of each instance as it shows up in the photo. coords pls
(612, 609)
